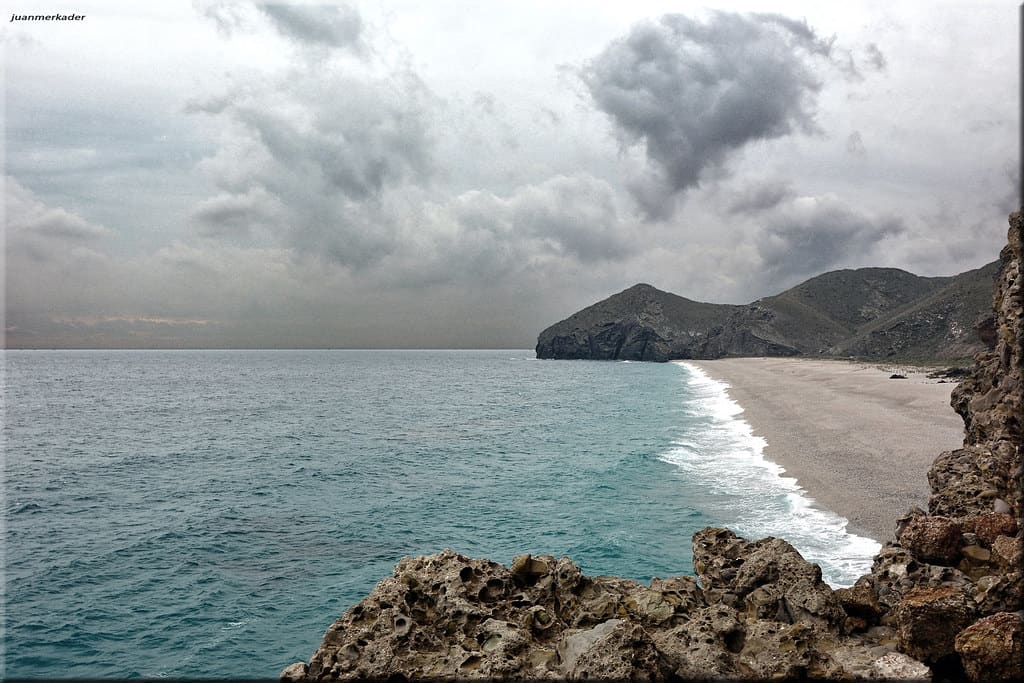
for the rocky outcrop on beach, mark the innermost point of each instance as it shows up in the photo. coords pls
(869, 313)
(944, 599)
(759, 611)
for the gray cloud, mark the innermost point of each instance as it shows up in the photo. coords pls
(228, 16)
(41, 232)
(338, 165)
(576, 216)
(311, 156)
(761, 197)
(483, 238)
(1012, 200)
(855, 144)
(875, 57)
(810, 235)
(694, 93)
(485, 102)
(354, 135)
(477, 269)
(237, 215)
(336, 26)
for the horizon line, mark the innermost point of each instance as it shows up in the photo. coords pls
(263, 348)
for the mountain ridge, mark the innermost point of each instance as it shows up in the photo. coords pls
(877, 313)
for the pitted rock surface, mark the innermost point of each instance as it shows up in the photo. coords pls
(933, 539)
(992, 648)
(929, 619)
(450, 616)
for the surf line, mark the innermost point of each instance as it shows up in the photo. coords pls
(819, 534)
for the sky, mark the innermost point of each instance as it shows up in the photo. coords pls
(456, 174)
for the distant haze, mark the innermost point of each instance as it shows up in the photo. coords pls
(463, 174)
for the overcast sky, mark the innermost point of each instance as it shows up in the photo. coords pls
(463, 174)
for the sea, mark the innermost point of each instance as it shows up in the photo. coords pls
(192, 514)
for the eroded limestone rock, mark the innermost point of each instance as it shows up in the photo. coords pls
(933, 539)
(989, 526)
(1008, 552)
(928, 621)
(450, 616)
(992, 649)
(766, 579)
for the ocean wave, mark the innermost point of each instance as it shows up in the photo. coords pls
(749, 493)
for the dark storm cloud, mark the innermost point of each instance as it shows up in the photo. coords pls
(809, 235)
(336, 26)
(695, 92)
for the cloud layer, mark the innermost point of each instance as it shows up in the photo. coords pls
(399, 174)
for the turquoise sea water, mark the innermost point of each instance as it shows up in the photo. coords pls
(210, 513)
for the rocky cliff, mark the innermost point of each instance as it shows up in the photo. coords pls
(869, 312)
(641, 323)
(943, 600)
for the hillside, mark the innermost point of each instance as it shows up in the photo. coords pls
(868, 312)
(938, 325)
(640, 323)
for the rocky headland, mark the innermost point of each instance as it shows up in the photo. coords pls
(880, 313)
(943, 600)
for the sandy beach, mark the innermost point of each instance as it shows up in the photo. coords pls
(858, 442)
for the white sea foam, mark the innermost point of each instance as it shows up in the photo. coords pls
(741, 489)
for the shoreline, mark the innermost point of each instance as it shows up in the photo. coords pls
(858, 443)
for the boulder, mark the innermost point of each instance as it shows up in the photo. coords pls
(786, 651)
(1008, 552)
(999, 592)
(989, 526)
(768, 579)
(932, 539)
(615, 649)
(295, 672)
(928, 620)
(896, 666)
(992, 648)
(860, 602)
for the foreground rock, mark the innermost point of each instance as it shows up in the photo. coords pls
(944, 597)
(763, 612)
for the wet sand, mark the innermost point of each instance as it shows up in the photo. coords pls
(858, 442)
